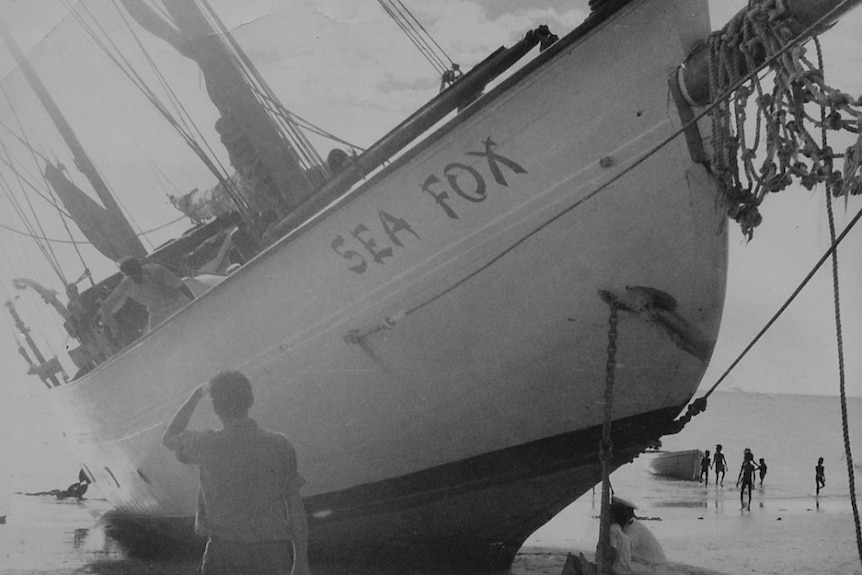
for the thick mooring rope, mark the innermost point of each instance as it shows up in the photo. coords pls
(781, 132)
(845, 429)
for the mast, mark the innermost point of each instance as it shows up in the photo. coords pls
(258, 150)
(131, 244)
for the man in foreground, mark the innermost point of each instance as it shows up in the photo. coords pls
(249, 505)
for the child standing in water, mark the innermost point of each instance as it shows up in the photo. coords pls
(762, 469)
(704, 468)
(819, 475)
(720, 464)
(746, 477)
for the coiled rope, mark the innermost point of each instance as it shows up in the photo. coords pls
(780, 132)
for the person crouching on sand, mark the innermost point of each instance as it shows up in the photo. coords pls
(634, 549)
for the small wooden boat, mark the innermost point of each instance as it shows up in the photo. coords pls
(677, 464)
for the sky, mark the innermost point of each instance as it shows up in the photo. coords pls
(345, 66)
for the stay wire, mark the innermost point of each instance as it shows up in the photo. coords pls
(423, 47)
(47, 248)
(188, 127)
(417, 31)
(22, 216)
(53, 200)
(787, 303)
(427, 34)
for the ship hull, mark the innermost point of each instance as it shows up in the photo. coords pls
(435, 346)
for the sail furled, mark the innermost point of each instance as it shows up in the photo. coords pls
(265, 160)
(106, 229)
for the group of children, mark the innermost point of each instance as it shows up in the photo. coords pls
(744, 480)
(746, 472)
(719, 462)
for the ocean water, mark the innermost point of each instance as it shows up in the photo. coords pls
(787, 530)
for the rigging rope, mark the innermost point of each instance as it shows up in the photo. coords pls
(46, 249)
(422, 39)
(699, 404)
(781, 116)
(299, 143)
(182, 122)
(845, 429)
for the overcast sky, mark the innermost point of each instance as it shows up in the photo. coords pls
(344, 65)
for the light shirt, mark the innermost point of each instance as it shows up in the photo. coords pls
(246, 474)
(646, 552)
(619, 541)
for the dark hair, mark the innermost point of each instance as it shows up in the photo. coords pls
(621, 514)
(131, 267)
(231, 394)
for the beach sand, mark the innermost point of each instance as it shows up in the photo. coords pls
(778, 536)
(789, 536)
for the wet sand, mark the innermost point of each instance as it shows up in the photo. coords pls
(788, 536)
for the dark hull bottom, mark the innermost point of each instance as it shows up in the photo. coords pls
(474, 513)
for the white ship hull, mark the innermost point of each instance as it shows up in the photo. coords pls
(451, 392)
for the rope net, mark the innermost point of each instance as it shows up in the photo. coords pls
(780, 148)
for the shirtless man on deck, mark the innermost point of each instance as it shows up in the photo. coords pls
(152, 285)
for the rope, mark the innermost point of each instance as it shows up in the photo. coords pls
(606, 444)
(182, 122)
(841, 379)
(845, 430)
(789, 151)
(422, 39)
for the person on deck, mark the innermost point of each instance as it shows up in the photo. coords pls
(720, 463)
(152, 285)
(249, 503)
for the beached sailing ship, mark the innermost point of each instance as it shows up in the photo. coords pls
(432, 334)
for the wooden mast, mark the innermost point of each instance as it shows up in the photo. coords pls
(258, 151)
(130, 242)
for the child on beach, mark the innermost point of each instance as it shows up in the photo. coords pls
(720, 464)
(762, 466)
(704, 468)
(746, 477)
(819, 475)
